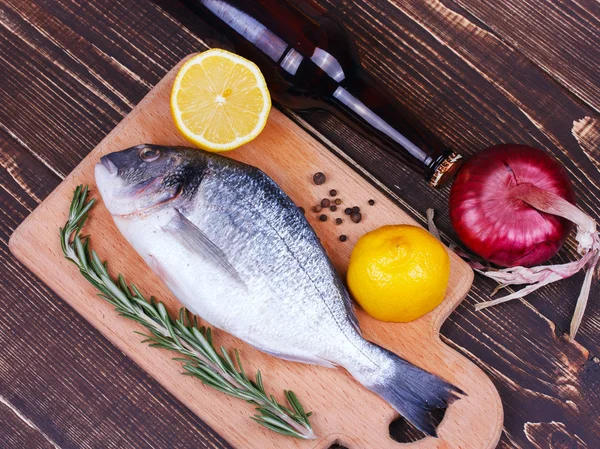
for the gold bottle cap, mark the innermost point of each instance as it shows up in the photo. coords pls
(446, 170)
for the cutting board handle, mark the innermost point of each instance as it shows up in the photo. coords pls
(461, 428)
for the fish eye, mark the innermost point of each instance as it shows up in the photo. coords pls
(149, 154)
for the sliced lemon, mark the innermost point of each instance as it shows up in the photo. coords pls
(220, 100)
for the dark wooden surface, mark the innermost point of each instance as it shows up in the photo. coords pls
(475, 72)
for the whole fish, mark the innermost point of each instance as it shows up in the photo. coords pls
(236, 251)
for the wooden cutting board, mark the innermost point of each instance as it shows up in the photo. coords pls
(344, 411)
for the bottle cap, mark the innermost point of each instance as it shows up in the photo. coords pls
(445, 169)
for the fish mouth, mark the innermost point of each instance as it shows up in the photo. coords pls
(150, 208)
(109, 165)
(106, 173)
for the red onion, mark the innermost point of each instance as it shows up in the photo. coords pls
(493, 222)
(513, 205)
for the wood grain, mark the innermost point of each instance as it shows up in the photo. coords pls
(562, 38)
(467, 82)
(290, 156)
(17, 431)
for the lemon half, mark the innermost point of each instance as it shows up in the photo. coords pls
(220, 100)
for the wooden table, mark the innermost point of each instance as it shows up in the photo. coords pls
(475, 72)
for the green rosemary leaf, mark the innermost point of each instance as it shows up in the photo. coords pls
(208, 348)
(180, 359)
(259, 382)
(123, 286)
(274, 424)
(207, 332)
(293, 401)
(136, 291)
(239, 364)
(230, 366)
(266, 412)
(277, 429)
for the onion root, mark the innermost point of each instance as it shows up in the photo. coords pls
(536, 277)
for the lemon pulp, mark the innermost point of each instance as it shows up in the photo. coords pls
(220, 100)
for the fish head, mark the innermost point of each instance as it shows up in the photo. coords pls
(144, 177)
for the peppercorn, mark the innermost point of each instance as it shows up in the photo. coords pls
(337, 201)
(348, 211)
(333, 208)
(319, 178)
(356, 217)
(317, 208)
(338, 221)
(371, 202)
(325, 202)
(323, 217)
(332, 192)
(356, 209)
(343, 238)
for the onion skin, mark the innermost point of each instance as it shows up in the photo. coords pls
(498, 227)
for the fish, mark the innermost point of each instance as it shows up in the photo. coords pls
(236, 251)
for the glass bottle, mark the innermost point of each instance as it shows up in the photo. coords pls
(309, 62)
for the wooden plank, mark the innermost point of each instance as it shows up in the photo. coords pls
(561, 37)
(438, 88)
(543, 434)
(17, 432)
(57, 371)
(338, 402)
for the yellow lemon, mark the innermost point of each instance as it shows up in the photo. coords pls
(398, 273)
(220, 100)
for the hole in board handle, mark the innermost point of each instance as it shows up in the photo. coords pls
(404, 432)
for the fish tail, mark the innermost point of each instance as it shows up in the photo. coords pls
(411, 391)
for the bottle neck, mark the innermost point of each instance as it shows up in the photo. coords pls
(366, 114)
(368, 110)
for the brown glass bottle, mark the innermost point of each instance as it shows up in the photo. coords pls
(309, 62)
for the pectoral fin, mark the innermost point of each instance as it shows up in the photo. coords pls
(196, 241)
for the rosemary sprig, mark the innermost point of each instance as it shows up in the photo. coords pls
(183, 335)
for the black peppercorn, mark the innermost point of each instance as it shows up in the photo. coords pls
(333, 208)
(332, 192)
(325, 202)
(371, 202)
(319, 178)
(323, 217)
(348, 211)
(343, 238)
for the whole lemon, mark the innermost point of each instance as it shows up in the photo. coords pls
(398, 273)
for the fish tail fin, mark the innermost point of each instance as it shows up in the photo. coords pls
(411, 391)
